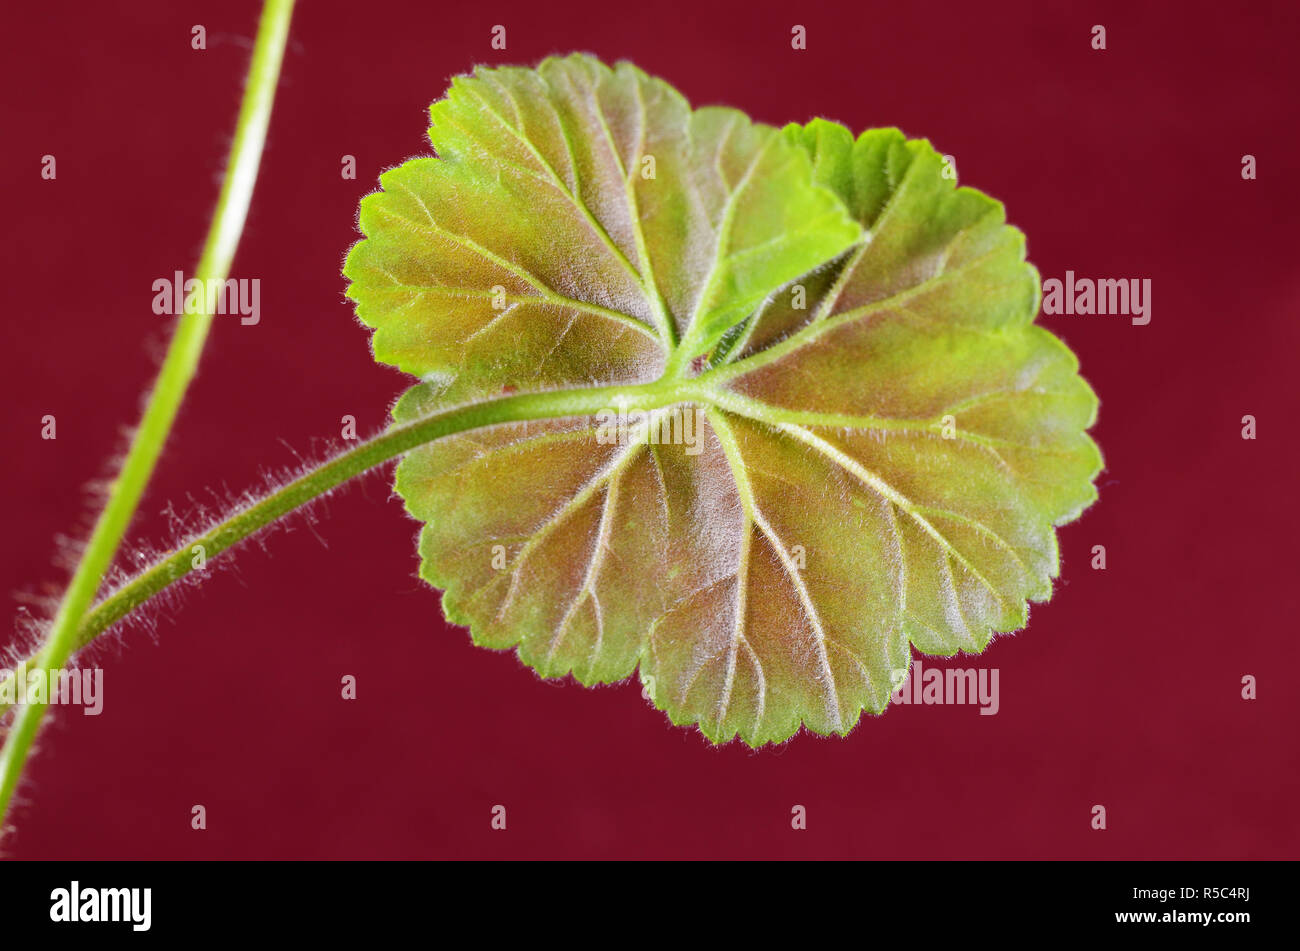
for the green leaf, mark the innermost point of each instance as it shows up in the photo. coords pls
(858, 437)
(619, 228)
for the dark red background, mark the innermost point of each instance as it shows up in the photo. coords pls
(1125, 689)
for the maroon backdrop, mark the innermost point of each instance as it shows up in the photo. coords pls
(1125, 690)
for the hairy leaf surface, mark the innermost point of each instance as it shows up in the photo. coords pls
(841, 431)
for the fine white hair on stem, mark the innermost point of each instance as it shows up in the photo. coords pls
(184, 526)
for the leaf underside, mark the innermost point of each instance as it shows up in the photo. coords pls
(874, 441)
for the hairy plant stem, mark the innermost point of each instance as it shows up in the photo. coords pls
(174, 376)
(346, 465)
